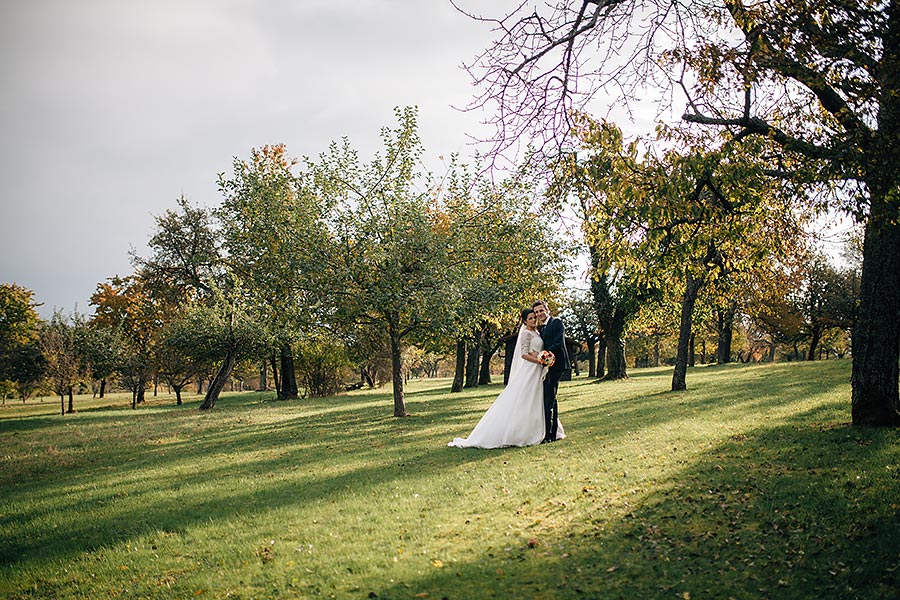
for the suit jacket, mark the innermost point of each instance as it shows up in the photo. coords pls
(554, 337)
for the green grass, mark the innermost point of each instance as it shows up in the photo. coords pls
(751, 484)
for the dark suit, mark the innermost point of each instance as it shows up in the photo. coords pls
(554, 337)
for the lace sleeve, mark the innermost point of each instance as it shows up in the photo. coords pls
(525, 344)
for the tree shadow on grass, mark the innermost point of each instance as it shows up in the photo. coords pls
(321, 451)
(733, 390)
(805, 510)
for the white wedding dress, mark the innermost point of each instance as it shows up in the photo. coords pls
(516, 418)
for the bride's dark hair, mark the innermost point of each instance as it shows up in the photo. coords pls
(526, 312)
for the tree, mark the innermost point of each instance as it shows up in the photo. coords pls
(273, 234)
(616, 294)
(18, 317)
(177, 358)
(104, 350)
(499, 255)
(652, 336)
(617, 299)
(385, 265)
(20, 358)
(188, 259)
(26, 368)
(827, 301)
(771, 304)
(581, 323)
(369, 351)
(676, 219)
(129, 312)
(827, 96)
(61, 342)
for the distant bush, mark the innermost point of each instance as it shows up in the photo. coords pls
(322, 367)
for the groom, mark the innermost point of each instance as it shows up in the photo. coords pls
(554, 337)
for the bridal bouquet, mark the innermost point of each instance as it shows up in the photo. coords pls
(547, 358)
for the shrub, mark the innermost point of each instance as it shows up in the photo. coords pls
(322, 367)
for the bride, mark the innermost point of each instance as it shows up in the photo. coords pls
(516, 418)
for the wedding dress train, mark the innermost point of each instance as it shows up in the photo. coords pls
(516, 418)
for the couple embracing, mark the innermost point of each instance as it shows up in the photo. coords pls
(525, 413)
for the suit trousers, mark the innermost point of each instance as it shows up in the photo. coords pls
(551, 410)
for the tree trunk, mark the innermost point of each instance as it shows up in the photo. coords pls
(366, 377)
(71, 395)
(218, 383)
(263, 377)
(772, 351)
(592, 358)
(689, 299)
(141, 394)
(289, 389)
(615, 348)
(601, 357)
(102, 387)
(472, 362)
(177, 389)
(397, 377)
(509, 355)
(876, 335)
(484, 375)
(460, 366)
(656, 352)
(604, 307)
(275, 376)
(691, 354)
(815, 337)
(725, 326)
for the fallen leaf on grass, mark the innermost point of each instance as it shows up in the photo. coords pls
(266, 554)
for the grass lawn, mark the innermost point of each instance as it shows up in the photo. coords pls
(751, 484)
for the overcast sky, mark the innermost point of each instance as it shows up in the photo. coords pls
(111, 109)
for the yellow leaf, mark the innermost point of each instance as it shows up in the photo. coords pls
(437, 563)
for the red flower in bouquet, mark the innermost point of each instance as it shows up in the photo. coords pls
(547, 358)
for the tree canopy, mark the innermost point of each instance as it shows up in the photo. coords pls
(816, 79)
